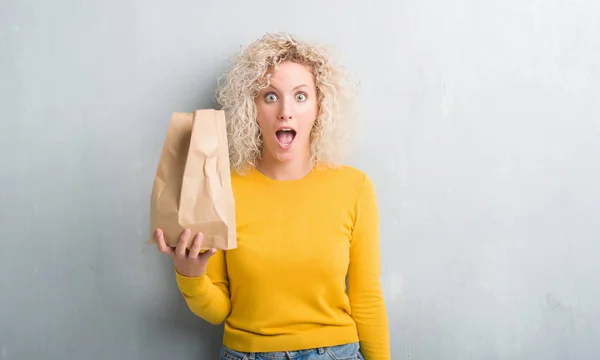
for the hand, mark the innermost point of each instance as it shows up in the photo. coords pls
(187, 263)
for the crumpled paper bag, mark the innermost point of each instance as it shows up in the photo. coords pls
(192, 186)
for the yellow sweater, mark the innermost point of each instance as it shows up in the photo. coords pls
(284, 286)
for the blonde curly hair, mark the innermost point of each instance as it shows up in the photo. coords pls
(244, 80)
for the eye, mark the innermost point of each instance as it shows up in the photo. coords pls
(270, 97)
(301, 97)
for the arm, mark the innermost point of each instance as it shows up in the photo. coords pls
(207, 296)
(364, 288)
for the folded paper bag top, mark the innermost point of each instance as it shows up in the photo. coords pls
(192, 186)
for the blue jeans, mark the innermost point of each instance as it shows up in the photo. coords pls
(340, 352)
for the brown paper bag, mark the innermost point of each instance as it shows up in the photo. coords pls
(192, 186)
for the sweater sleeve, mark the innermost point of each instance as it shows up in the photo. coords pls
(207, 296)
(364, 287)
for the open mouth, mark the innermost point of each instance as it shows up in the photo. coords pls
(285, 137)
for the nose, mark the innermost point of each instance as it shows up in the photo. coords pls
(285, 112)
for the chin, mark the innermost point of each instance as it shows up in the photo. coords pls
(282, 156)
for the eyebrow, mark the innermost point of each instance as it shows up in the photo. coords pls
(297, 87)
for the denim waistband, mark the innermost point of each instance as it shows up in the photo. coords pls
(345, 351)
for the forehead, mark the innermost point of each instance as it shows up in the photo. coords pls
(290, 74)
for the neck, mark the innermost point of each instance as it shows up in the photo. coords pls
(291, 170)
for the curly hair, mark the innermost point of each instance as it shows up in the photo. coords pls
(244, 80)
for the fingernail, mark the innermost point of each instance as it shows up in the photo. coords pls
(213, 251)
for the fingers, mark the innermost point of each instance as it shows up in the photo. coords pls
(195, 249)
(181, 249)
(207, 254)
(162, 245)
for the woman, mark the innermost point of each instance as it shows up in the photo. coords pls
(305, 223)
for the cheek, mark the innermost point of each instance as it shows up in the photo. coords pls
(309, 115)
(265, 113)
(261, 116)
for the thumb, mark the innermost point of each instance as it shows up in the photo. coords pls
(207, 254)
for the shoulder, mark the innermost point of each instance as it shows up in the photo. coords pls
(348, 174)
(348, 180)
(242, 182)
(248, 174)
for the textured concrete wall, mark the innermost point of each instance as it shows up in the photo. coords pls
(482, 121)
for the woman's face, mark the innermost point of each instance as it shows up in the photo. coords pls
(287, 110)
